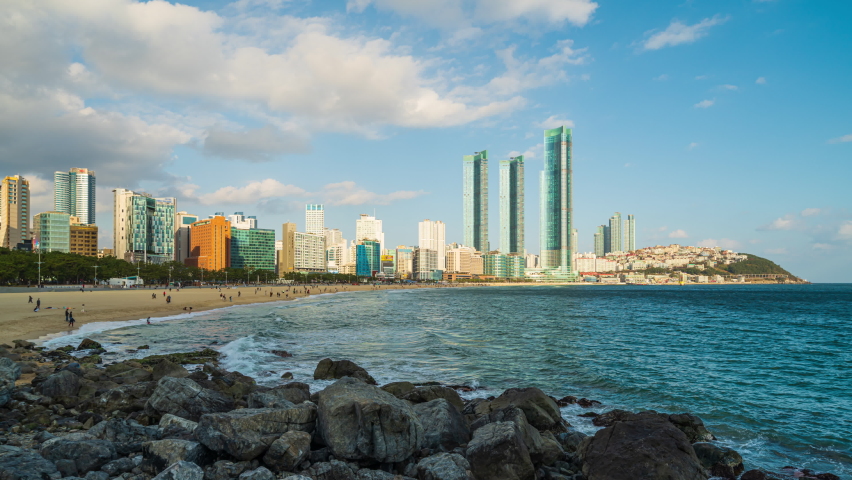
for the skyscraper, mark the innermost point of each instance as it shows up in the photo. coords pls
(74, 194)
(52, 232)
(143, 227)
(241, 221)
(556, 203)
(433, 236)
(615, 234)
(14, 211)
(210, 244)
(600, 249)
(475, 200)
(369, 228)
(183, 232)
(512, 205)
(315, 219)
(630, 233)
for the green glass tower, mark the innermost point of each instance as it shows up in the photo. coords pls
(556, 204)
(475, 200)
(253, 248)
(52, 232)
(512, 205)
(600, 251)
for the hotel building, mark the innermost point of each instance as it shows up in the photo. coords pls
(74, 194)
(143, 227)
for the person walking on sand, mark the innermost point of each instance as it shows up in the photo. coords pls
(71, 320)
(66, 314)
(31, 299)
(38, 303)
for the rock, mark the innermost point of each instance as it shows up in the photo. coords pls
(246, 434)
(643, 447)
(88, 344)
(181, 471)
(444, 427)
(331, 470)
(126, 435)
(543, 449)
(62, 384)
(169, 421)
(285, 396)
(718, 460)
(96, 476)
(126, 398)
(87, 452)
(287, 375)
(297, 477)
(169, 369)
(477, 407)
(692, 426)
(23, 344)
(753, 475)
(398, 389)
(367, 474)
(22, 464)
(185, 398)
(427, 394)
(160, 454)
(498, 452)
(260, 473)
(444, 466)
(67, 468)
(9, 373)
(570, 440)
(132, 376)
(586, 403)
(288, 451)
(541, 411)
(609, 418)
(362, 422)
(328, 369)
(117, 467)
(225, 470)
(281, 353)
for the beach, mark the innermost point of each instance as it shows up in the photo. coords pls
(19, 320)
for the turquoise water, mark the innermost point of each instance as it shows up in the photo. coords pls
(766, 367)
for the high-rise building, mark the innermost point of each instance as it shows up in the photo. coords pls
(532, 261)
(615, 234)
(84, 238)
(287, 254)
(239, 220)
(404, 266)
(475, 200)
(425, 264)
(14, 211)
(630, 233)
(575, 240)
(433, 236)
(253, 248)
(315, 219)
(512, 205)
(600, 246)
(369, 228)
(74, 194)
(459, 259)
(367, 258)
(52, 232)
(556, 201)
(183, 232)
(301, 252)
(143, 227)
(388, 263)
(210, 244)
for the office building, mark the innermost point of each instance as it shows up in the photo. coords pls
(532, 261)
(241, 221)
(315, 219)
(459, 259)
(301, 252)
(433, 236)
(556, 201)
(210, 244)
(388, 263)
(494, 264)
(600, 246)
(367, 258)
(143, 227)
(614, 234)
(425, 264)
(52, 232)
(630, 233)
(515, 265)
(475, 200)
(14, 211)
(512, 205)
(183, 232)
(369, 228)
(404, 258)
(83, 238)
(287, 253)
(253, 248)
(74, 194)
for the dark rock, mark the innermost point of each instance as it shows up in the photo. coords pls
(9, 373)
(96, 476)
(444, 466)
(169, 422)
(88, 344)
(287, 375)
(259, 473)
(328, 369)
(234, 384)
(225, 470)
(570, 440)
(282, 353)
(427, 394)
(67, 468)
(692, 426)
(643, 447)
(586, 403)
(498, 452)
(126, 398)
(288, 451)
(168, 369)
(543, 449)
(398, 389)
(753, 475)
(198, 375)
(319, 455)
(185, 398)
(444, 426)
(361, 422)
(181, 471)
(160, 454)
(711, 456)
(87, 452)
(23, 344)
(127, 435)
(541, 411)
(22, 464)
(331, 470)
(246, 434)
(61, 384)
(609, 418)
(43, 436)
(134, 375)
(75, 368)
(565, 401)
(195, 358)
(119, 466)
(284, 396)
(477, 407)
(367, 474)
(826, 476)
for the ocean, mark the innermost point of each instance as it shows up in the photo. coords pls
(767, 367)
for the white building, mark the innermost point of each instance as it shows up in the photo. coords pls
(242, 222)
(369, 228)
(310, 252)
(433, 236)
(315, 219)
(183, 234)
(460, 259)
(425, 262)
(74, 194)
(533, 261)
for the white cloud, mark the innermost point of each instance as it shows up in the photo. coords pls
(705, 103)
(823, 246)
(678, 234)
(760, 81)
(692, 145)
(701, 77)
(555, 121)
(844, 232)
(728, 87)
(787, 222)
(809, 212)
(678, 33)
(662, 78)
(725, 243)
(843, 139)
(251, 193)
(531, 152)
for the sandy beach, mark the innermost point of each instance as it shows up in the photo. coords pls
(19, 321)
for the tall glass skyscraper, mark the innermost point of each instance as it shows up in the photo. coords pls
(600, 251)
(74, 194)
(630, 233)
(512, 205)
(556, 203)
(143, 227)
(475, 200)
(616, 235)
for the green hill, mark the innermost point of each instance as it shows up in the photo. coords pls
(755, 266)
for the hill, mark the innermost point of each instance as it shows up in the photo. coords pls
(755, 266)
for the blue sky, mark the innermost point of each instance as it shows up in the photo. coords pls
(713, 122)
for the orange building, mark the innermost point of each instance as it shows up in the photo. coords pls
(210, 244)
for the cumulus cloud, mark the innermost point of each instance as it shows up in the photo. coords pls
(678, 33)
(809, 212)
(844, 232)
(705, 103)
(787, 222)
(254, 145)
(529, 153)
(725, 243)
(555, 121)
(348, 193)
(250, 193)
(843, 139)
(760, 81)
(678, 234)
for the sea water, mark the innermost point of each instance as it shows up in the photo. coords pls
(768, 368)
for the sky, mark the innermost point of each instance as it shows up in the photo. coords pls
(716, 123)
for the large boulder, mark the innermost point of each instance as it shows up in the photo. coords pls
(181, 471)
(88, 344)
(293, 392)
(126, 435)
(398, 389)
(498, 452)
(362, 422)
(328, 369)
(541, 411)
(22, 464)
(126, 398)
(10, 371)
(185, 398)
(168, 369)
(62, 384)
(173, 423)
(692, 426)
(246, 434)
(444, 427)
(288, 451)
(259, 473)
(719, 461)
(444, 466)
(161, 454)
(332, 470)
(427, 394)
(608, 419)
(225, 470)
(645, 447)
(87, 452)
(543, 449)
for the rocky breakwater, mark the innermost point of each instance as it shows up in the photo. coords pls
(155, 419)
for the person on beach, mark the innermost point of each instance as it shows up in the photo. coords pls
(153, 296)
(31, 299)
(169, 299)
(190, 309)
(38, 303)
(230, 298)
(66, 314)
(148, 320)
(240, 293)
(71, 320)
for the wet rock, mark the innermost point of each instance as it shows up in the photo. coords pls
(331, 470)
(95, 476)
(287, 375)
(126, 398)
(444, 427)
(329, 369)
(9, 373)
(498, 451)
(543, 447)
(586, 403)
(67, 468)
(225, 470)
(570, 440)
(281, 353)
(126, 435)
(367, 474)
(643, 447)
(427, 394)
(119, 466)
(133, 376)
(21, 464)
(88, 344)
(607, 419)
(362, 422)
(87, 452)
(167, 368)
(285, 396)
(259, 473)
(753, 475)
(541, 411)
(288, 451)
(246, 434)
(398, 389)
(720, 461)
(169, 422)
(160, 454)
(297, 477)
(692, 426)
(181, 471)
(23, 344)
(62, 384)
(185, 398)
(444, 466)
